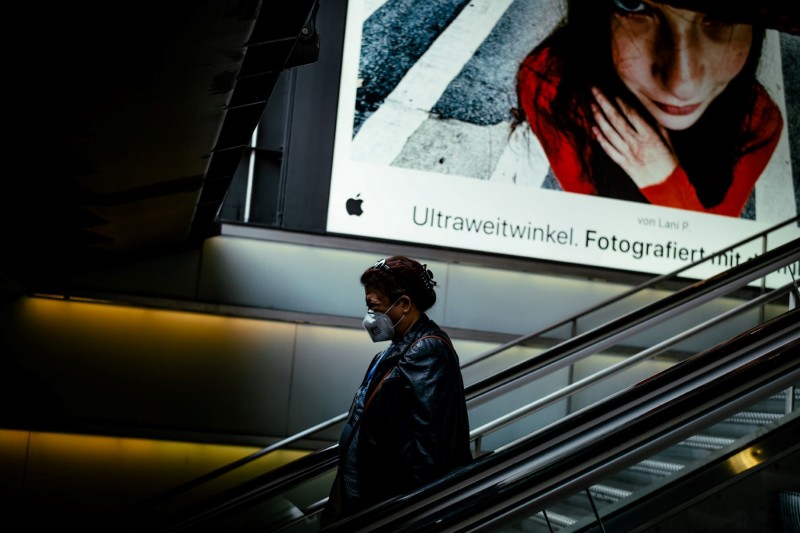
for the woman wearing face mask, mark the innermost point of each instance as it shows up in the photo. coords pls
(662, 106)
(408, 421)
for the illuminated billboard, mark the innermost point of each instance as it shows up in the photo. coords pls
(656, 138)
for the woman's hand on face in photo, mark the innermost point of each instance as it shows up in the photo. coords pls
(632, 143)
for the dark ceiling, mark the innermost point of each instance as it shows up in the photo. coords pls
(126, 122)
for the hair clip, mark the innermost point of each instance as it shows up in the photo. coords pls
(427, 277)
(381, 265)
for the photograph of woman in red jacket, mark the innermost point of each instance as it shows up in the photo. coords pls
(645, 101)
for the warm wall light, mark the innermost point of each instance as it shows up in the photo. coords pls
(745, 460)
(86, 473)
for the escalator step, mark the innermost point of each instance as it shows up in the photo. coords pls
(790, 511)
(608, 493)
(557, 519)
(707, 442)
(755, 417)
(661, 468)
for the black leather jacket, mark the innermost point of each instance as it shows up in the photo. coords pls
(415, 429)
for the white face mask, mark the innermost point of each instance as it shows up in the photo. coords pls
(379, 326)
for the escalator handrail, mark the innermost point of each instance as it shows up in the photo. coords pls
(612, 433)
(671, 396)
(612, 370)
(603, 461)
(261, 487)
(625, 294)
(605, 335)
(293, 472)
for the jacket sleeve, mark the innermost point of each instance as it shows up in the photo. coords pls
(432, 394)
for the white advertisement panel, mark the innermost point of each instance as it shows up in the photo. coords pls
(473, 125)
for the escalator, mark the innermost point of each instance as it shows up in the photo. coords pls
(594, 466)
(625, 451)
(541, 482)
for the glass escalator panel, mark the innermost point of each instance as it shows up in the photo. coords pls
(732, 445)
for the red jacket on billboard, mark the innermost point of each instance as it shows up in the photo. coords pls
(538, 83)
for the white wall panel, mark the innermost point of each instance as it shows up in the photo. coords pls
(614, 384)
(513, 302)
(328, 368)
(283, 276)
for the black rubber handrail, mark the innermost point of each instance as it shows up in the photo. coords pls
(612, 370)
(608, 334)
(267, 485)
(768, 354)
(582, 448)
(652, 282)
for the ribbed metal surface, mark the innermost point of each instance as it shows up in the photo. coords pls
(782, 394)
(755, 417)
(609, 494)
(556, 519)
(659, 468)
(790, 511)
(706, 442)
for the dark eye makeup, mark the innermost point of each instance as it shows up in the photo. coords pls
(630, 6)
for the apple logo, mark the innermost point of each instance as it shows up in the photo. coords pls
(353, 206)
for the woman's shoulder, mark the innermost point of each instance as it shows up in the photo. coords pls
(430, 332)
(538, 80)
(430, 340)
(435, 339)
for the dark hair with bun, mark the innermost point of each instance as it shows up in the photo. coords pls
(398, 275)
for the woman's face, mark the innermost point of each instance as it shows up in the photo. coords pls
(376, 300)
(673, 60)
(379, 302)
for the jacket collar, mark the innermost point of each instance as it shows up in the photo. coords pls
(420, 328)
